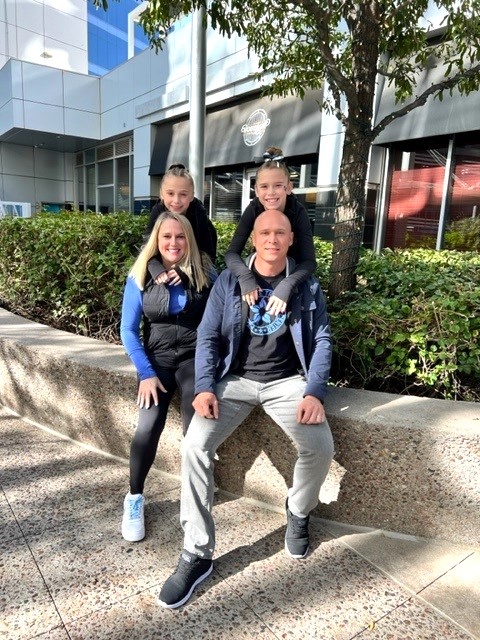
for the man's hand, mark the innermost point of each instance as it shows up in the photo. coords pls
(276, 306)
(206, 405)
(310, 411)
(147, 391)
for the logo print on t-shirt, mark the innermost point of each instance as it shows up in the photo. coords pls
(260, 321)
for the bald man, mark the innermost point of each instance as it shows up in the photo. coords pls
(247, 357)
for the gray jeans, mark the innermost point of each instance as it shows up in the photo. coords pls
(237, 397)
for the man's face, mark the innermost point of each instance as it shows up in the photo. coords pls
(272, 236)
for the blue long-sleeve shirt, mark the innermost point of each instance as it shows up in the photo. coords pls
(132, 313)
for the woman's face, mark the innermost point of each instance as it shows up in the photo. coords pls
(172, 243)
(272, 188)
(176, 193)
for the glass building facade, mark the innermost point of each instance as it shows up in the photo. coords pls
(427, 177)
(108, 36)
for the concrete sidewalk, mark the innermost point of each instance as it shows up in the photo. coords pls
(66, 572)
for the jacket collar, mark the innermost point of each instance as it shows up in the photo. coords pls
(290, 266)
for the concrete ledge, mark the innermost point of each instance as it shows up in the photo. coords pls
(402, 463)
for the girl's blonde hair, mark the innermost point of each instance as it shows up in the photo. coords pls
(273, 158)
(197, 267)
(177, 170)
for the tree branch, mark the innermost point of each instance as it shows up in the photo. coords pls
(322, 19)
(420, 100)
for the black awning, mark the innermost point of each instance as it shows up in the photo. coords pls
(237, 134)
(454, 114)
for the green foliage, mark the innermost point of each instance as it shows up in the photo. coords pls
(302, 44)
(463, 235)
(412, 325)
(350, 45)
(68, 269)
(225, 232)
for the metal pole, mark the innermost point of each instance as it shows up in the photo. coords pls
(197, 101)
(442, 222)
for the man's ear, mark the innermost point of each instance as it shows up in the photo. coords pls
(291, 239)
(289, 187)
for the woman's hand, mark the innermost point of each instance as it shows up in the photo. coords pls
(251, 297)
(168, 277)
(276, 306)
(148, 391)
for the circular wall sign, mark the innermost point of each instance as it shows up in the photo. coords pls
(255, 127)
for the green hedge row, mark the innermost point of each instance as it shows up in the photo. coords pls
(412, 326)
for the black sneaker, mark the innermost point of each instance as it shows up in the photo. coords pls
(296, 536)
(191, 570)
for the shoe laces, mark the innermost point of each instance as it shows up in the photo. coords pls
(299, 526)
(135, 507)
(183, 568)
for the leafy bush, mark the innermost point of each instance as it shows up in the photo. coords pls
(68, 269)
(463, 235)
(412, 326)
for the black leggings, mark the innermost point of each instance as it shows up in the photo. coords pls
(152, 421)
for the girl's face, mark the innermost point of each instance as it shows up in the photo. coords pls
(176, 193)
(172, 243)
(272, 188)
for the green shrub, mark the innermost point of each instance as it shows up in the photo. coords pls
(412, 326)
(463, 235)
(68, 269)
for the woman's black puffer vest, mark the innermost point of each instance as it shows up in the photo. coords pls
(171, 339)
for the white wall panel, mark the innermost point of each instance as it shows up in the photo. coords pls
(69, 159)
(49, 164)
(18, 113)
(30, 16)
(44, 117)
(5, 84)
(6, 116)
(16, 72)
(29, 46)
(77, 8)
(143, 143)
(65, 28)
(19, 189)
(17, 160)
(142, 184)
(82, 123)
(43, 85)
(49, 191)
(117, 121)
(74, 59)
(81, 92)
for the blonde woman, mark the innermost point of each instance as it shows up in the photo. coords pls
(170, 313)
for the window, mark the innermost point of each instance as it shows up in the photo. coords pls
(415, 197)
(103, 177)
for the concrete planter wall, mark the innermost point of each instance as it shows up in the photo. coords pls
(402, 463)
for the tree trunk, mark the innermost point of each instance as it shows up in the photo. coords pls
(350, 212)
(363, 21)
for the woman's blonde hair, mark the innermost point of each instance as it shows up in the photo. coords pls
(196, 266)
